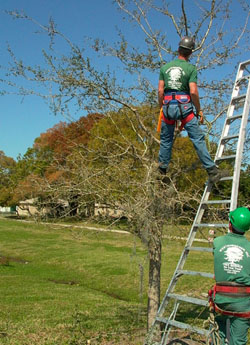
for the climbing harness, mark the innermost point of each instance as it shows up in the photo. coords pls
(229, 290)
(177, 110)
(174, 122)
(176, 105)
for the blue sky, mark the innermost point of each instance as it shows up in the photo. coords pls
(22, 120)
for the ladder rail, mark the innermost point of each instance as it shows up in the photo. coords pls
(230, 112)
(189, 242)
(239, 151)
(184, 254)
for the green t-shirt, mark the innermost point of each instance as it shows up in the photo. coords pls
(232, 264)
(177, 75)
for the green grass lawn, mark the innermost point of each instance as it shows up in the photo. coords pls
(63, 286)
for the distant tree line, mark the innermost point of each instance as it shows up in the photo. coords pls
(72, 161)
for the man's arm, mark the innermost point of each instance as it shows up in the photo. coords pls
(194, 94)
(161, 92)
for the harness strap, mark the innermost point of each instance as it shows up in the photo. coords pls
(182, 98)
(183, 121)
(186, 120)
(232, 289)
(245, 315)
(179, 106)
(169, 122)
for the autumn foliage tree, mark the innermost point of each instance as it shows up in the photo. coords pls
(43, 165)
(7, 170)
(64, 137)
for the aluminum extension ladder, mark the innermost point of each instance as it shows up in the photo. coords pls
(229, 151)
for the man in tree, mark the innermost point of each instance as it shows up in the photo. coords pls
(232, 275)
(177, 93)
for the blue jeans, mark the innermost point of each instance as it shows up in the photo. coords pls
(195, 134)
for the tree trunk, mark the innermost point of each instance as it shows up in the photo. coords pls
(154, 277)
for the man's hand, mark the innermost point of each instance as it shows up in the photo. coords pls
(201, 118)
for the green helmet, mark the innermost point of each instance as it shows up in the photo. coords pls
(240, 219)
(187, 42)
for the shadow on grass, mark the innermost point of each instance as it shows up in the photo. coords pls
(64, 282)
(133, 316)
(14, 216)
(192, 312)
(6, 260)
(177, 341)
(191, 315)
(185, 341)
(115, 320)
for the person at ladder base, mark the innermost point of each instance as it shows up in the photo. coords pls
(177, 93)
(230, 296)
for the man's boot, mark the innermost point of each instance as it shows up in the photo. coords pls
(162, 171)
(163, 178)
(214, 174)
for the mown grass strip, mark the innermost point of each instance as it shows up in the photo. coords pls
(62, 286)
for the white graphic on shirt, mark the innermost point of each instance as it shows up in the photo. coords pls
(175, 74)
(233, 254)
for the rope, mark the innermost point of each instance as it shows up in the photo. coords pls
(213, 335)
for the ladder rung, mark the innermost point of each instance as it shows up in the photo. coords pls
(227, 178)
(238, 81)
(195, 273)
(229, 137)
(188, 299)
(238, 98)
(212, 202)
(200, 249)
(225, 157)
(183, 326)
(232, 118)
(212, 225)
